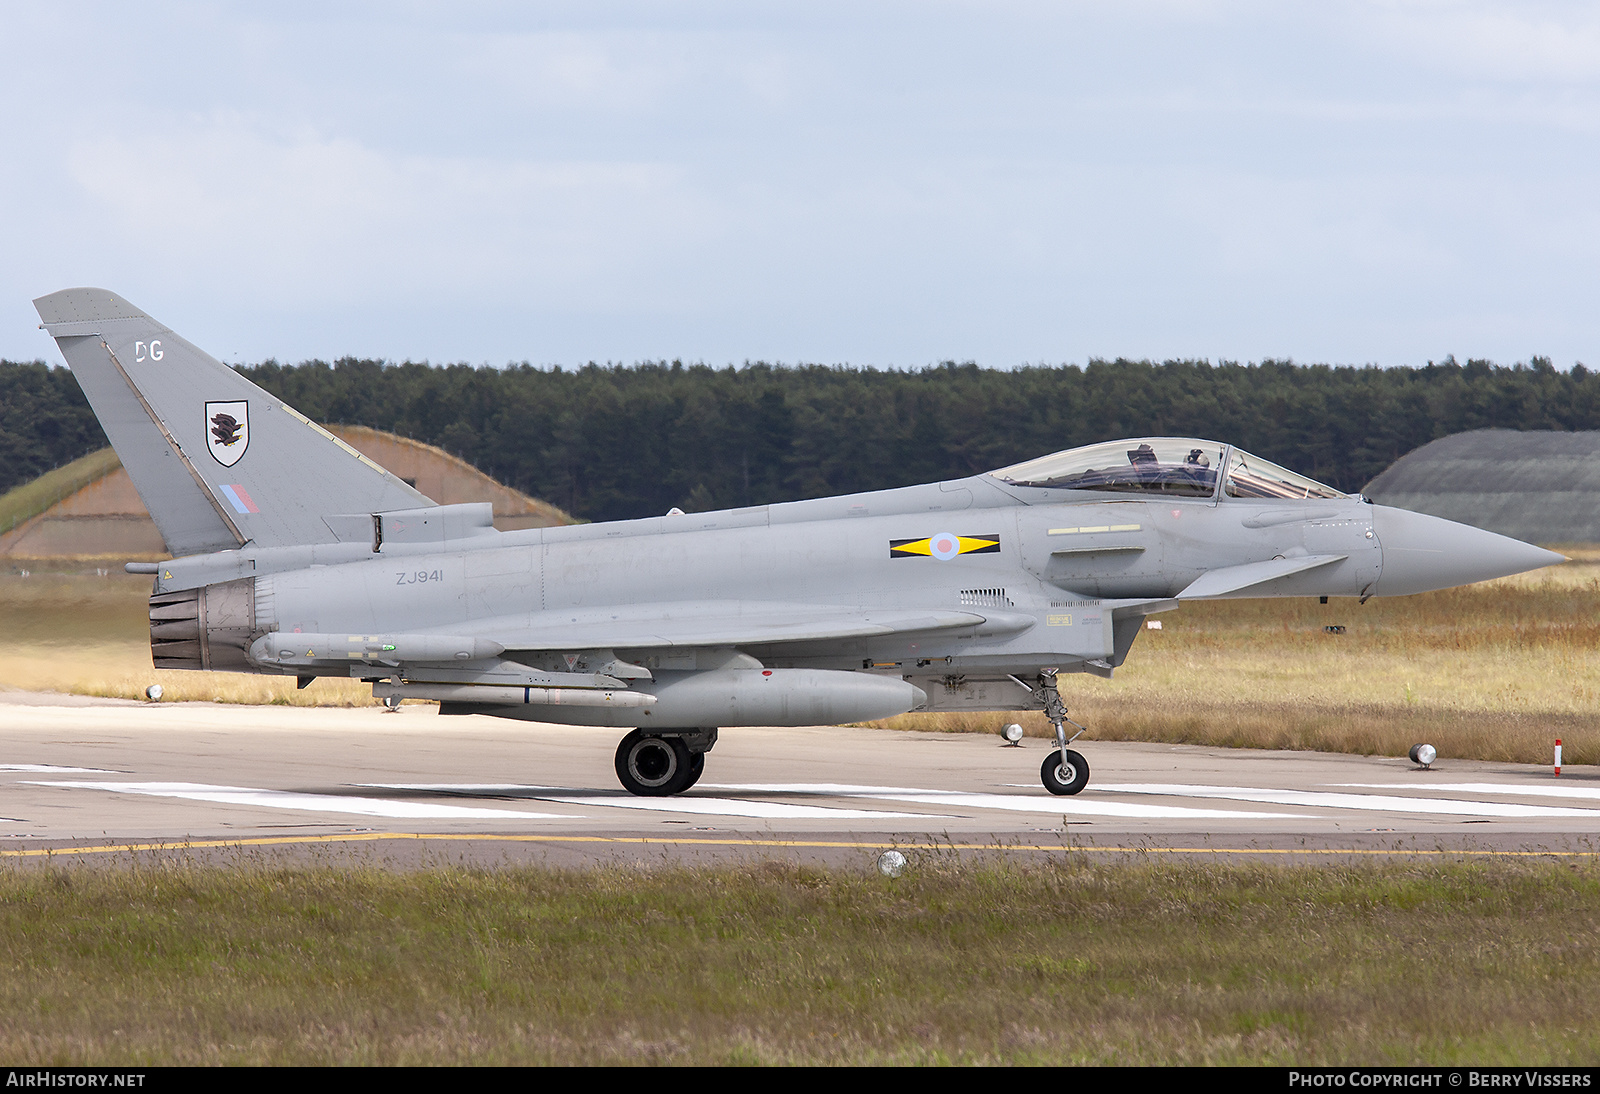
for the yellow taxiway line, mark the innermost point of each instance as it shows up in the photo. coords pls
(872, 845)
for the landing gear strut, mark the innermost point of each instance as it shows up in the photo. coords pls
(658, 765)
(1064, 771)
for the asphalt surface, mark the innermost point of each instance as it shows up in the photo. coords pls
(107, 780)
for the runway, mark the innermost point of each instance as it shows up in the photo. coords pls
(96, 779)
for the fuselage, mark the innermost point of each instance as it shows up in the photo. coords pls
(836, 552)
(961, 584)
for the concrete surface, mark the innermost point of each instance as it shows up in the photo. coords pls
(97, 779)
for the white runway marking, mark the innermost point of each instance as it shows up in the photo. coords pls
(1087, 805)
(1388, 803)
(312, 803)
(1016, 803)
(718, 807)
(1532, 790)
(50, 769)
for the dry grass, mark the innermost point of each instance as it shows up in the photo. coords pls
(1035, 962)
(1494, 671)
(66, 630)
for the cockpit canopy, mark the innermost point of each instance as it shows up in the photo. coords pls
(1173, 466)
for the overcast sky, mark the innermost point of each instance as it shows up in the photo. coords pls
(867, 183)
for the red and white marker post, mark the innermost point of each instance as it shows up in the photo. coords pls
(1558, 755)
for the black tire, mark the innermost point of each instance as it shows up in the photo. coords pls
(1065, 772)
(654, 767)
(697, 767)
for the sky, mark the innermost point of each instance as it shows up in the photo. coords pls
(873, 184)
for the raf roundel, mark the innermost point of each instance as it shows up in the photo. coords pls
(944, 546)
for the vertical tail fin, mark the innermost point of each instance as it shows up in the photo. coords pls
(218, 462)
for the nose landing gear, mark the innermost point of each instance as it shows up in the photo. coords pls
(1064, 771)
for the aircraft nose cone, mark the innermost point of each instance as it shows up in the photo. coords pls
(1421, 553)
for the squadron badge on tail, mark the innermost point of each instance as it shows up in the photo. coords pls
(228, 431)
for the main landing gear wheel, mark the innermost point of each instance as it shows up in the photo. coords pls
(1065, 772)
(656, 767)
(697, 767)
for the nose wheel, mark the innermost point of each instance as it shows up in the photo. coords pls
(1065, 772)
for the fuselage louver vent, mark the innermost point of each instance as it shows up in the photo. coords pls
(985, 598)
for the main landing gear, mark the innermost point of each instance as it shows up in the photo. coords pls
(660, 764)
(1064, 771)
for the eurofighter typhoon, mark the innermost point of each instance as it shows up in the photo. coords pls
(295, 555)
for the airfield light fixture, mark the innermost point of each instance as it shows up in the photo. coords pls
(891, 864)
(153, 693)
(1424, 755)
(1012, 734)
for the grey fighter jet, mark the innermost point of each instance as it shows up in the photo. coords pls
(296, 555)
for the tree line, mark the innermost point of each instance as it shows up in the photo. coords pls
(612, 442)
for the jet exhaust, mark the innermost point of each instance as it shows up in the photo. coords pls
(207, 628)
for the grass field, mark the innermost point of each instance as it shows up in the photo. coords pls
(1495, 671)
(1068, 961)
